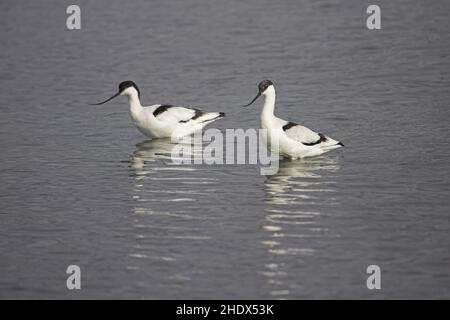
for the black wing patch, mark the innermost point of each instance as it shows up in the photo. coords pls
(289, 125)
(161, 109)
(321, 139)
(198, 114)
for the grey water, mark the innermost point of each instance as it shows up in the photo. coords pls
(79, 185)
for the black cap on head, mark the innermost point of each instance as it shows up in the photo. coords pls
(263, 85)
(122, 86)
(126, 84)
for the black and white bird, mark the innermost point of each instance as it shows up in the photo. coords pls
(163, 120)
(294, 141)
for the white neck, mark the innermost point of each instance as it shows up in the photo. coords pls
(135, 104)
(269, 102)
(133, 100)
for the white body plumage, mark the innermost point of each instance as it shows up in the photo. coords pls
(163, 121)
(294, 141)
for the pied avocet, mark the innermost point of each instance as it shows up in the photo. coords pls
(163, 120)
(294, 140)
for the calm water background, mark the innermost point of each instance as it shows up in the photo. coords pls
(80, 185)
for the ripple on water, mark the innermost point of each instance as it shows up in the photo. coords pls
(164, 218)
(290, 219)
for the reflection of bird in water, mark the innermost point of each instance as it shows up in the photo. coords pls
(161, 150)
(296, 179)
(165, 206)
(150, 150)
(295, 197)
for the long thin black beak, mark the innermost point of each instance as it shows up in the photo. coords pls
(257, 96)
(96, 104)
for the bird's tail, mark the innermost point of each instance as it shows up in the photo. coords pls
(211, 116)
(331, 144)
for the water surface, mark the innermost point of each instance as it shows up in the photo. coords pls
(80, 185)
